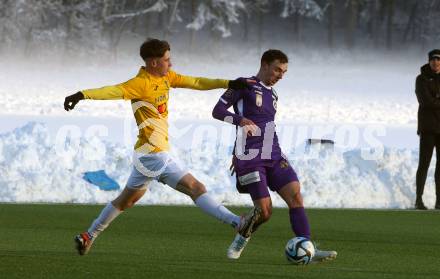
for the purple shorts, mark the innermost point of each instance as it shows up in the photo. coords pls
(256, 180)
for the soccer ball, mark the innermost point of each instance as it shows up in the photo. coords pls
(300, 250)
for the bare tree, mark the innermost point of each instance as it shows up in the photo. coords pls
(330, 23)
(298, 9)
(192, 35)
(173, 17)
(411, 22)
(390, 16)
(352, 10)
(257, 9)
(117, 18)
(220, 14)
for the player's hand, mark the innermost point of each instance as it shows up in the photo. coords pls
(71, 101)
(249, 126)
(238, 84)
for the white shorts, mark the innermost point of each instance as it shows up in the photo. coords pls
(155, 166)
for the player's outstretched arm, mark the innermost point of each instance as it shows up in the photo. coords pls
(71, 101)
(201, 83)
(127, 90)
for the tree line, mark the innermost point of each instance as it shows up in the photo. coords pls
(96, 25)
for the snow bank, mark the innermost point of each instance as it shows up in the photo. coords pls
(373, 90)
(35, 167)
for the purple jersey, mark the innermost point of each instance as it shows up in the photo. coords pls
(258, 104)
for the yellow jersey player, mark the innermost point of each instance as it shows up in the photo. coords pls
(149, 94)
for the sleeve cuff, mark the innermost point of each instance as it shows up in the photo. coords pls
(237, 119)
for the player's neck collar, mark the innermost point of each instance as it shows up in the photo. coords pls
(149, 73)
(262, 83)
(267, 87)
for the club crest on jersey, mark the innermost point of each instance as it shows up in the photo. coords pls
(259, 100)
(275, 104)
(284, 164)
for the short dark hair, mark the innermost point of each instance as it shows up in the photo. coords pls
(153, 48)
(274, 54)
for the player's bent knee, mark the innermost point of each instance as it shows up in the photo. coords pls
(128, 205)
(266, 213)
(293, 197)
(198, 190)
(123, 205)
(195, 189)
(128, 198)
(296, 187)
(298, 200)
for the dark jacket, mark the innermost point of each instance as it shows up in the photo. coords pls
(428, 95)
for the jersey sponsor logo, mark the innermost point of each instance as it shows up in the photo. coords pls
(259, 100)
(162, 108)
(249, 178)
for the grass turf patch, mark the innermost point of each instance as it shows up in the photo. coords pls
(36, 241)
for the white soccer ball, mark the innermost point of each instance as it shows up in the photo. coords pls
(300, 250)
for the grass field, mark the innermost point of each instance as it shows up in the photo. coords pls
(36, 241)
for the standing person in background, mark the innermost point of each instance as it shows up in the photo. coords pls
(149, 93)
(428, 124)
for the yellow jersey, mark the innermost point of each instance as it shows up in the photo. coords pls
(149, 96)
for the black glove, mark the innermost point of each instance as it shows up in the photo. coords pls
(71, 101)
(238, 84)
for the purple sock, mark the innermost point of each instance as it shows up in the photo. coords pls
(299, 222)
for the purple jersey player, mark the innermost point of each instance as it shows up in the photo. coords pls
(257, 158)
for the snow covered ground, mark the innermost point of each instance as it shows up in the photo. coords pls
(366, 104)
